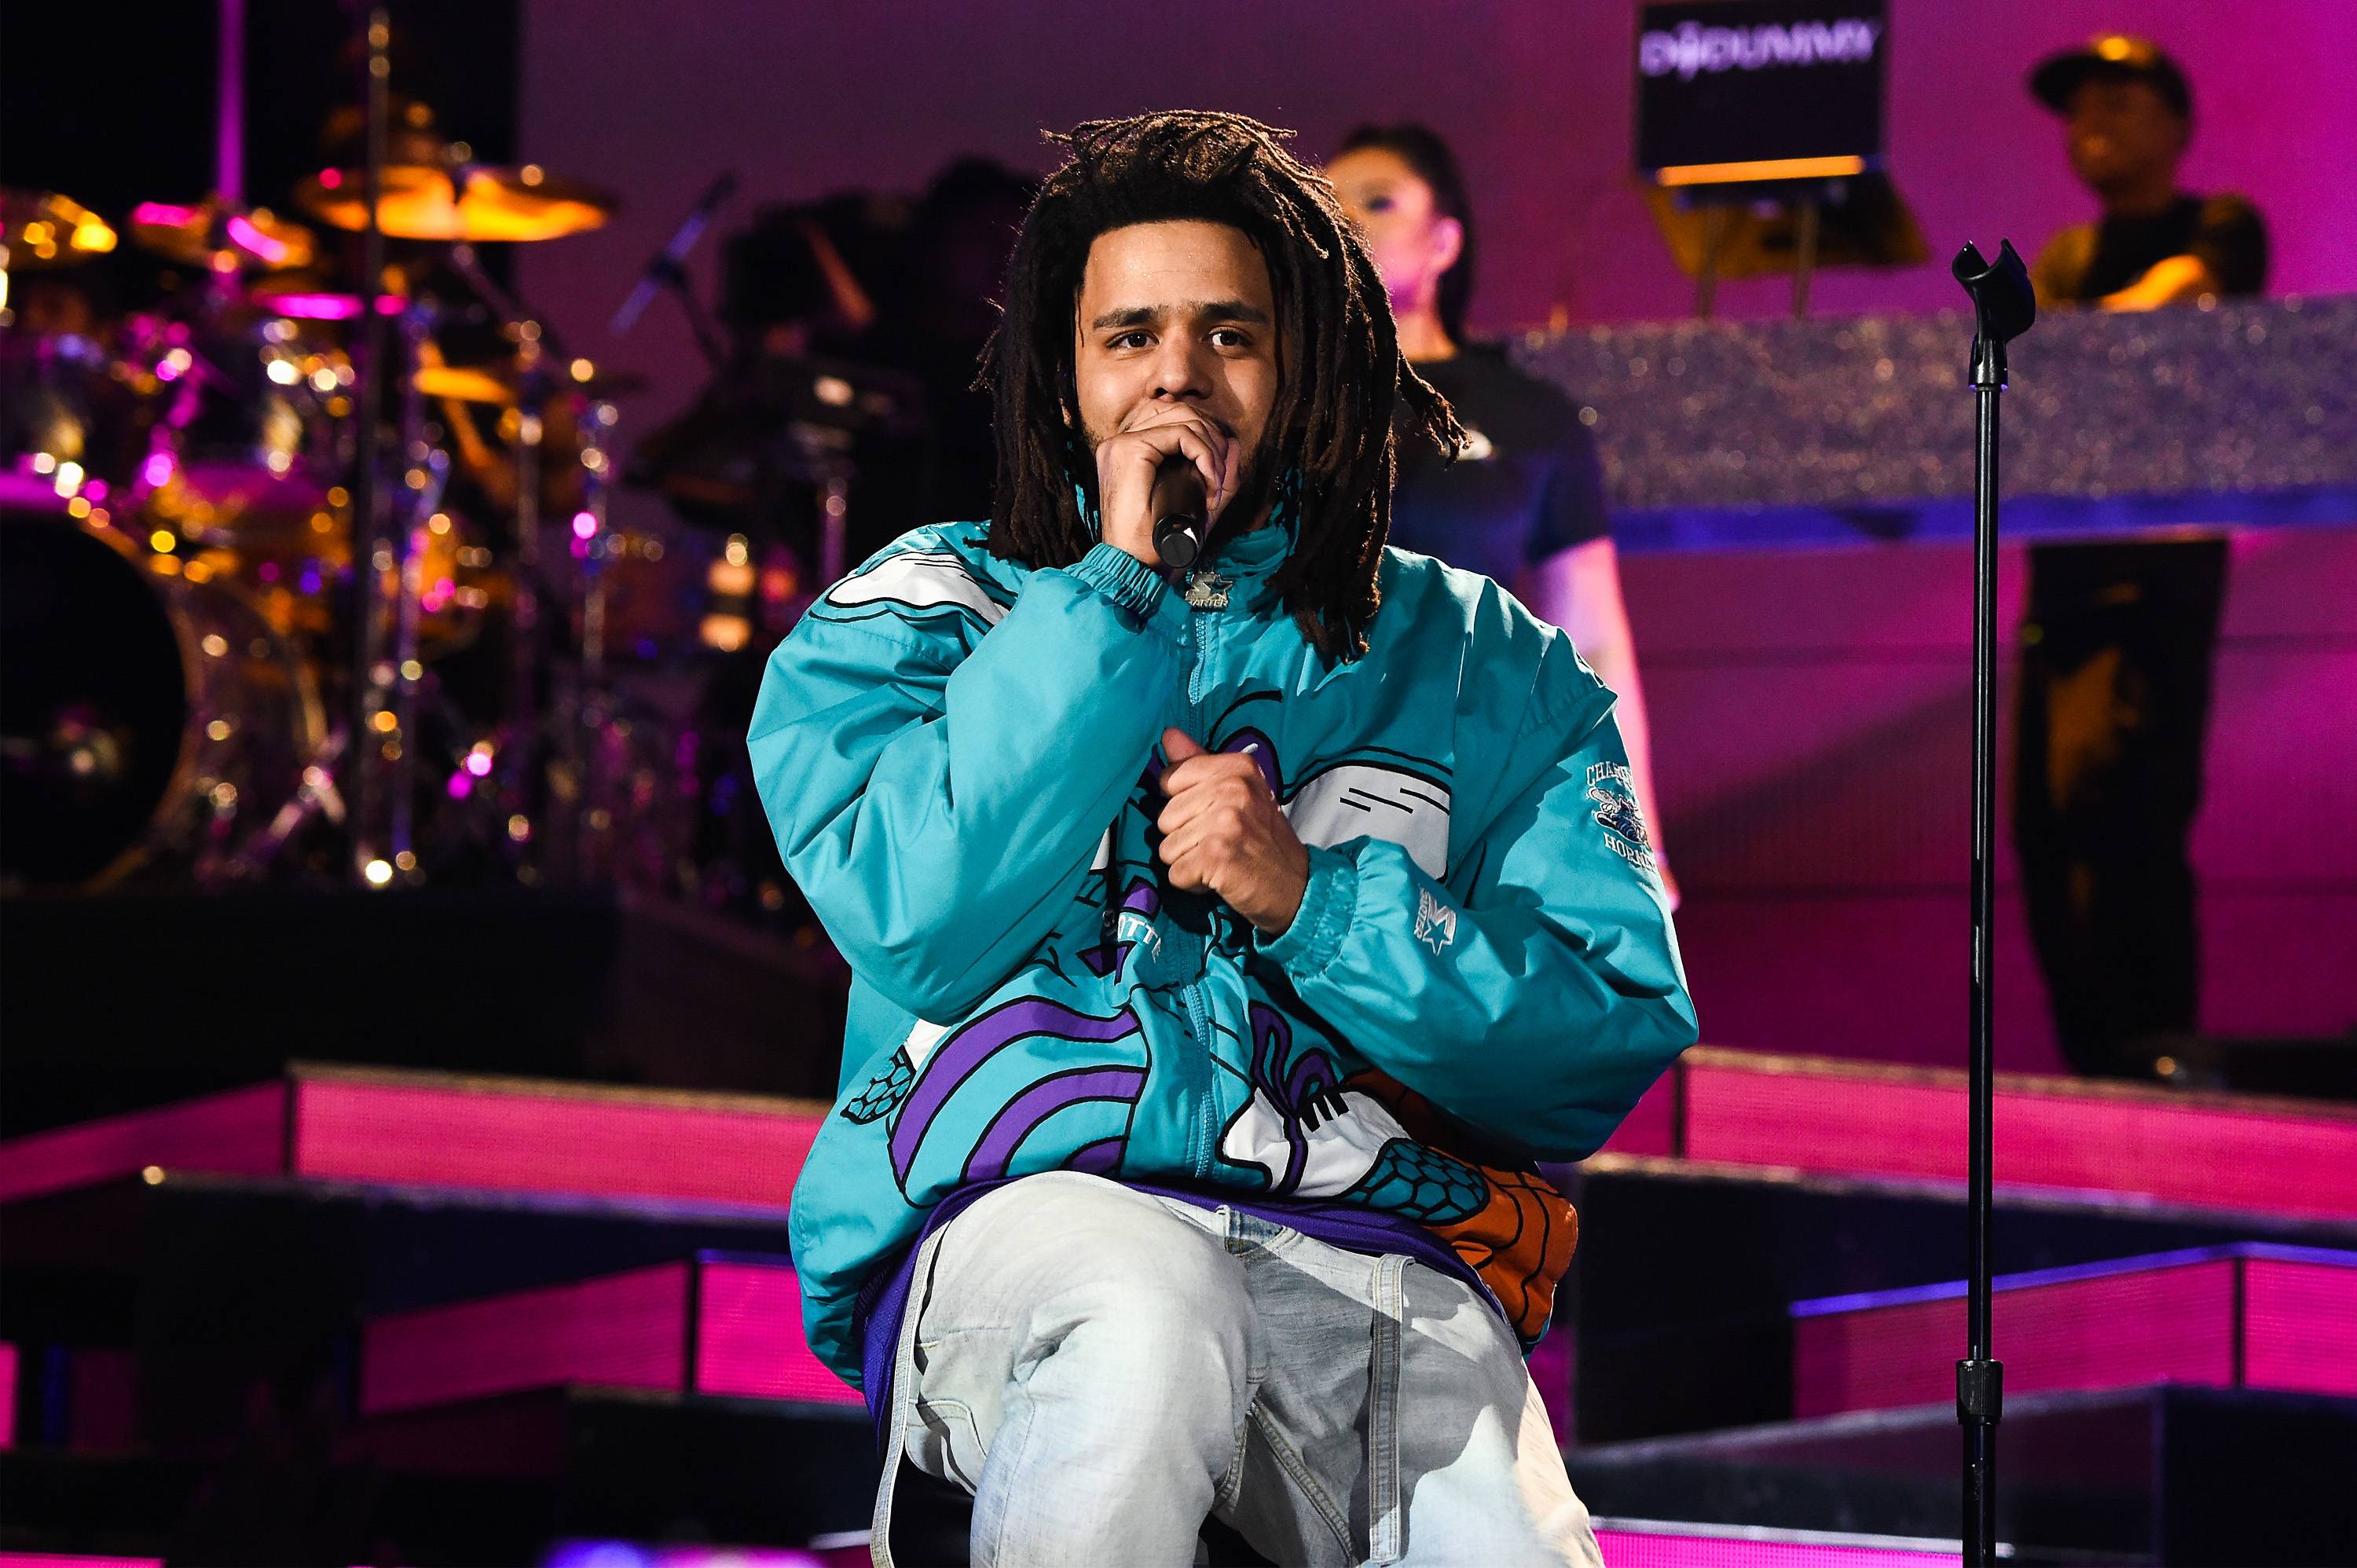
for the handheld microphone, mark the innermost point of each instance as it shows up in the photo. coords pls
(1179, 512)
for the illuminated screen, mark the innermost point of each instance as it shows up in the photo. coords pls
(1734, 81)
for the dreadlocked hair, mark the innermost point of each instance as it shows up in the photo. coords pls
(1329, 440)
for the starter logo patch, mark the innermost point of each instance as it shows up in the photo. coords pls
(1614, 791)
(1436, 922)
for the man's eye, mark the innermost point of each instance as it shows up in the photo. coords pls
(1128, 340)
(1379, 204)
(1230, 337)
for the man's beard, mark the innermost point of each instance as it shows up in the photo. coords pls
(1256, 488)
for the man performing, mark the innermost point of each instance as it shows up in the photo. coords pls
(1226, 951)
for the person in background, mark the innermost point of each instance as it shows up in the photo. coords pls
(1524, 502)
(2120, 634)
(2128, 113)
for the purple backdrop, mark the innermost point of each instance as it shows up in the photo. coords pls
(652, 96)
(1823, 863)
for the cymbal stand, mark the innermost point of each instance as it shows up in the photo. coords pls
(385, 760)
(530, 786)
(587, 732)
(372, 504)
(826, 450)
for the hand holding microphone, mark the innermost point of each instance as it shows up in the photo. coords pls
(1182, 513)
(1160, 485)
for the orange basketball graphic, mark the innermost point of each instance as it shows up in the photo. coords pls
(1521, 1240)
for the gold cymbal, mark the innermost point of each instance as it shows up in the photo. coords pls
(221, 236)
(42, 229)
(496, 384)
(421, 202)
(467, 383)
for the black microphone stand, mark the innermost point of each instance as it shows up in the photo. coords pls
(2003, 309)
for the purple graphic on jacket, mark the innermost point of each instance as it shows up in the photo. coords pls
(1263, 752)
(1304, 1092)
(959, 1057)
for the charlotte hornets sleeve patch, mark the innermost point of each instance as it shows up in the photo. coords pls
(1614, 792)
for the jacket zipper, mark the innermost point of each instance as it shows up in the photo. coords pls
(1198, 1010)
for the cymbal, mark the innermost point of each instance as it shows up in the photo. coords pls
(42, 229)
(221, 236)
(496, 384)
(423, 202)
(315, 305)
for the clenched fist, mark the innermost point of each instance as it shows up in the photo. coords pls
(1223, 833)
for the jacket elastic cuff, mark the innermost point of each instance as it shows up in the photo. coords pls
(1122, 578)
(1309, 944)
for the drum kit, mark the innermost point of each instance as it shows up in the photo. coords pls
(288, 595)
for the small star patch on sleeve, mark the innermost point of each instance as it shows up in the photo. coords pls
(1436, 922)
(1614, 791)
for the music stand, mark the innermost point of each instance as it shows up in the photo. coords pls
(1760, 229)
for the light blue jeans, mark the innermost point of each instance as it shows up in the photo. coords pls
(1104, 1368)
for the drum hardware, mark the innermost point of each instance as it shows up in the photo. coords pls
(214, 451)
(458, 201)
(316, 305)
(253, 427)
(384, 851)
(72, 420)
(43, 229)
(151, 713)
(316, 796)
(496, 385)
(221, 237)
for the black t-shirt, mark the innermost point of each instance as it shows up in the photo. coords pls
(2224, 231)
(1527, 485)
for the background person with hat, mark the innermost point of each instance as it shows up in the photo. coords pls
(2119, 636)
(2129, 113)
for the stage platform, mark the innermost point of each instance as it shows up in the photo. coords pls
(2146, 1475)
(524, 1299)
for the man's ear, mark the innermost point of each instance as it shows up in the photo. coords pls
(1448, 244)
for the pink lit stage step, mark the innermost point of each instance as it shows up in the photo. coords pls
(2244, 1153)
(1643, 1544)
(447, 1130)
(1625, 1543)
(2247, 1316)
(2235, 1153)
(78, 1398)
(714, 1324)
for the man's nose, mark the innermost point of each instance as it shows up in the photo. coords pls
(1180, 370)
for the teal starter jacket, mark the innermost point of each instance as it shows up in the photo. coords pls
(959, 757)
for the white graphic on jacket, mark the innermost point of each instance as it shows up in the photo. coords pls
(917, 580)
(1314, 1136)
(1360, 800)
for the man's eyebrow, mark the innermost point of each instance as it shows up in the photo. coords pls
(1235, 310)
(1215, 310)
(1135, 315)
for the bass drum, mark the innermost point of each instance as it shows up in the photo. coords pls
(147, 719)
